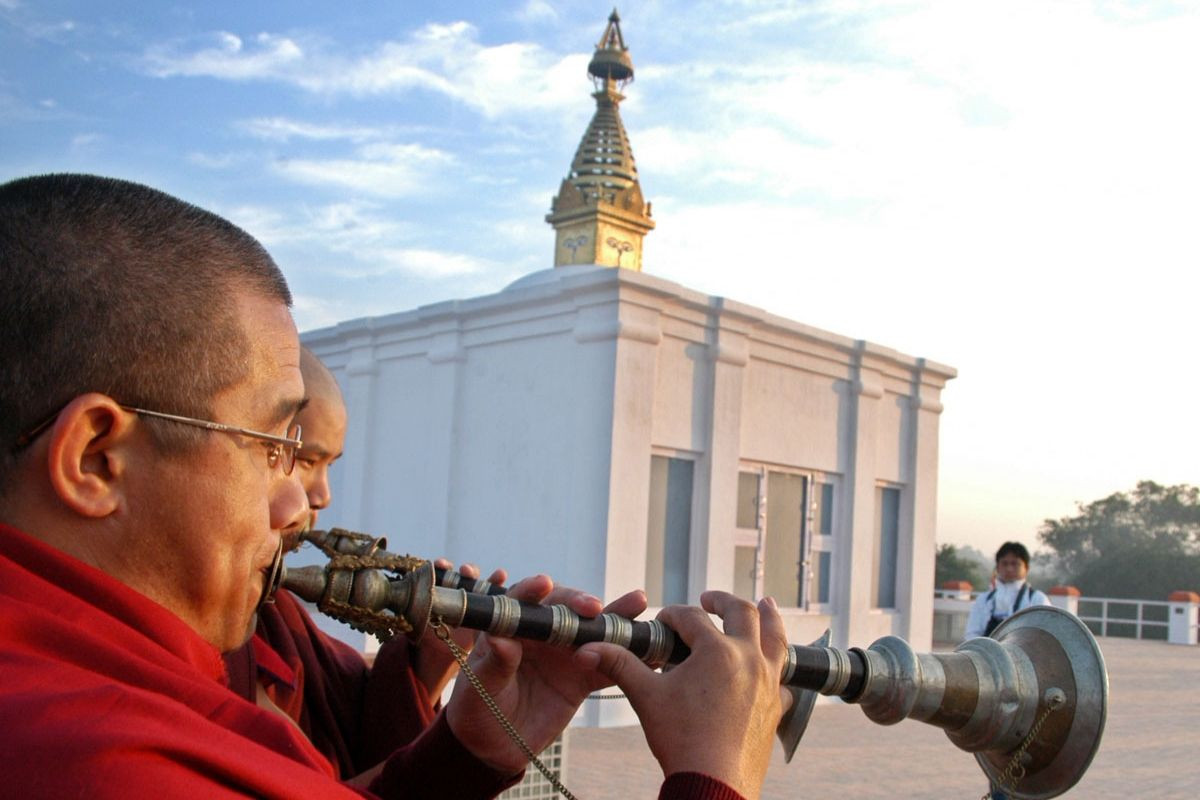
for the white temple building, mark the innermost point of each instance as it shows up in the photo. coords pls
(617, 431)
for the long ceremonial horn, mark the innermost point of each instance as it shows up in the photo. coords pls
(341, 541)
(1030, 702)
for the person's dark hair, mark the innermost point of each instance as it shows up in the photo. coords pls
(1013, 548)
(114, 287)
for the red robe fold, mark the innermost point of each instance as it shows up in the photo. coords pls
(355, 715)
(106, 694)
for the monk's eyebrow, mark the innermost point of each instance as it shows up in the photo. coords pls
(315, 452)
(286, 410)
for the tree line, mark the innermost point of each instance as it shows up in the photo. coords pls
(1140, 544)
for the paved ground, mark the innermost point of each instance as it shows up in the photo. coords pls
(1151, 746)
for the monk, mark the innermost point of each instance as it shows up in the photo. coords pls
(354, 714)
(148, 445)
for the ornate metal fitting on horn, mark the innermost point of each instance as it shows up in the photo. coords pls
(899, 681)
(662, 641)
(341, 581)
(563, 626)
(618, 630)
(340, 540)
(506, 614)
(789, 667)
(1007, 696)
(839, 671)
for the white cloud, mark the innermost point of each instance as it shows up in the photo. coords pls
(447, 59)
(228, 58)
(537, 11)
(15, 109)
(377, 165)
(85, 141)
(218, 160)
(265, 223)
(320, 311)
(1061, 167)
(339, 227)
(357, 240)
(281, 129)
(426, 263)
(382, 169)
(29, 23)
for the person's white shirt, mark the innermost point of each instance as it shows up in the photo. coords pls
(1000, 602)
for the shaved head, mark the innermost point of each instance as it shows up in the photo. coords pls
(114, 287)
(319, 383)
(323, 424)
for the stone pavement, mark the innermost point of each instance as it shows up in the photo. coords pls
(1151, 746)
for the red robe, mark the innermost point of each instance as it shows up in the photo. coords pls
(106, 694)
(355, 715)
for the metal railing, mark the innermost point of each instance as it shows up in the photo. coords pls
(1130, 619)
(1104, 616)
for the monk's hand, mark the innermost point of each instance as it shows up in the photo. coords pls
(537, 686)
(716, 712)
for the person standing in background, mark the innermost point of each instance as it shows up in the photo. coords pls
(1009, 594)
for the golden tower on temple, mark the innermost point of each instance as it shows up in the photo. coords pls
(599, 215)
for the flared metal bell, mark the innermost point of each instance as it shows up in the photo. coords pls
(1064, 656)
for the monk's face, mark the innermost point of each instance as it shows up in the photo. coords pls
(214, 518)
(324, 424)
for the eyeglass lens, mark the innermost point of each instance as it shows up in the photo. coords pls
(288, 453)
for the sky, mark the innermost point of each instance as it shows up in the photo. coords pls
(1009, 188)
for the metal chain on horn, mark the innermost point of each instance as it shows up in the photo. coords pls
(443, 632)
(1014, 771)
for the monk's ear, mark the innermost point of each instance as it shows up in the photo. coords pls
(89, 453)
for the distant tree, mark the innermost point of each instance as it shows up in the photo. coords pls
(958, 564)
(1045, 570)
(1139, 544)
(986, 562)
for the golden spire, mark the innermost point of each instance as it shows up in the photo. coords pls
(599, 215)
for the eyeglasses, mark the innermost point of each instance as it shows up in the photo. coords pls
(280, 452)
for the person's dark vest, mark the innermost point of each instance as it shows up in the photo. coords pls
(994, 620)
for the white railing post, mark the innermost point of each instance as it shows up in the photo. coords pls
(1183, 609)
(1065, 597)
(951, 606)
(957, 590)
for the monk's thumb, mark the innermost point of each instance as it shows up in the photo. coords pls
(495, 661)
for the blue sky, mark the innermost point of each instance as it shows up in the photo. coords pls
(1009, 188)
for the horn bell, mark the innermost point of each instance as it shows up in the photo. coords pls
(1064, 656)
